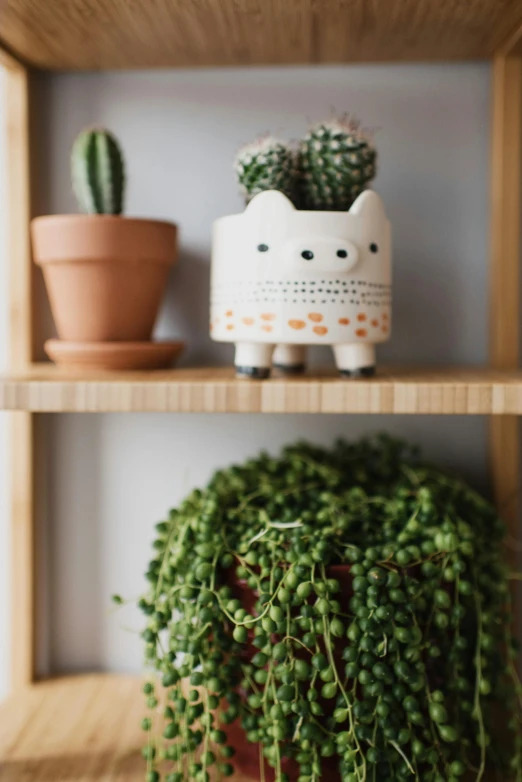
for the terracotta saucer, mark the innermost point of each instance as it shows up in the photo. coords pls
(113, 355)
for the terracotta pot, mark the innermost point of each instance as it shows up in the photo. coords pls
(105, 275)
(246, 758)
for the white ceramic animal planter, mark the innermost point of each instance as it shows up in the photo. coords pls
(283, 279)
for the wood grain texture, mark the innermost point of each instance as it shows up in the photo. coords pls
(76, 729)
(505, 212)
(21, 346)
(508, 34)
(21, 315)
(96, 34)
(505, 276)
(8, 61)
(454, 390)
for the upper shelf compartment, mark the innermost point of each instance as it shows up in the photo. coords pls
(105, 34)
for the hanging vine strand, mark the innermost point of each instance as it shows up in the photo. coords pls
(398, 677)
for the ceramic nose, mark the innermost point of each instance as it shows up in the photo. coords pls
(319, 254)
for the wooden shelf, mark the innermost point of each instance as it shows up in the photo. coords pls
(45, 388)
(96, 34)
(75, 729)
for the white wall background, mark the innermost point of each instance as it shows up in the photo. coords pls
(110, 477)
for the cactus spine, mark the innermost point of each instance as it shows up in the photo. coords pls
(337, 162)
(98, 172)
(266, 164)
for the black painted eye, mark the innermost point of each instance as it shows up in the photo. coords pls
(342, 254)
(263, 248)
(307, 255)
(374, 248)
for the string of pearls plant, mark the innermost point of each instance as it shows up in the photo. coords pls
(399, 680)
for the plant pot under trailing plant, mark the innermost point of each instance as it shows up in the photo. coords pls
(309, 260)
(105, 274)
(246, 753)
(402, 681)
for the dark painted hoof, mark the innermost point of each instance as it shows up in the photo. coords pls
(291, 369)
(256, 373)
(359, 372)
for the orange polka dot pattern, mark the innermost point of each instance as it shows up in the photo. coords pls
(267, 322)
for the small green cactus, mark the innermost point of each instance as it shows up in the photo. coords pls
(98, 173)
(337, 162)
(266, 164)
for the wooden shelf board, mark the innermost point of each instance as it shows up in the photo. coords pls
(103, 34)
(73, 729)
(44, 388)
(82, 728)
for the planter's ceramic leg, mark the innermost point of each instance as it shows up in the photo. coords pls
(253, 359)
(356, 359)
(290, 359)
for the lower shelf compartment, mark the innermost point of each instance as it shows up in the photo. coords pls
(407, 389)
(74, 729)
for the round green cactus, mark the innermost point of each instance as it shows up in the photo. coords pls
(337, 162)
(266, 164)
(98, 173)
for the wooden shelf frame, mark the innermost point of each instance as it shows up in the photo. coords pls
(108, 34)
(21, 354)
(30, 389)
(403, 390)
(504, 316)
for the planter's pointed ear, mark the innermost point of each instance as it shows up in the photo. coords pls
(269, 202)
(369, 205)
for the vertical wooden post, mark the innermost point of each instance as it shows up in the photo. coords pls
(505, 274)
(23, 561)
(23, 565)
